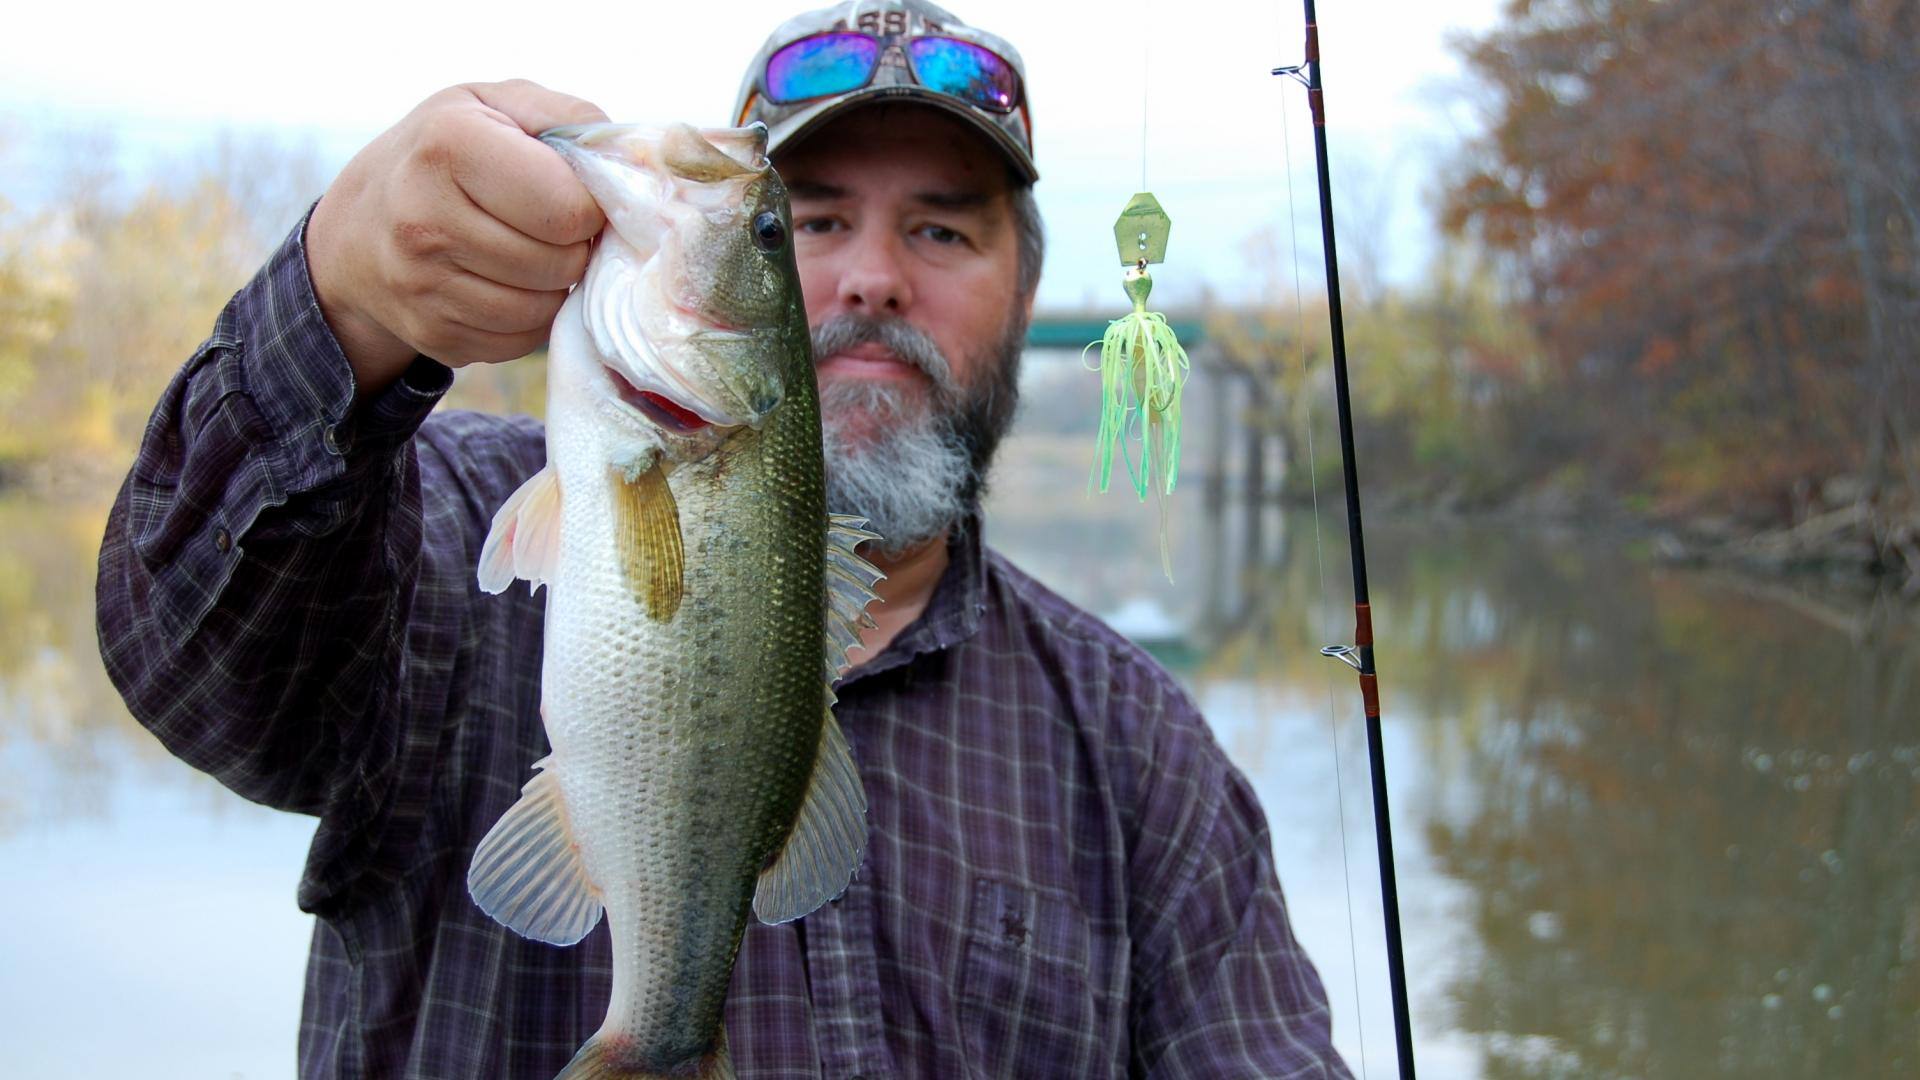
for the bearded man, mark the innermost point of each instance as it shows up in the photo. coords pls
(1064, 876)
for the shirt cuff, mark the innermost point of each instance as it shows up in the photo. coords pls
(300, 381)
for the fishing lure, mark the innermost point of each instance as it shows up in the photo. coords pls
(1142, 371)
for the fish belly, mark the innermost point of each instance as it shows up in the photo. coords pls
(681, 747)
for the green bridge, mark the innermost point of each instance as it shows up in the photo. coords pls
(1073, 330)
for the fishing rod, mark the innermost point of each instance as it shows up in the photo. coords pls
(1359, 655)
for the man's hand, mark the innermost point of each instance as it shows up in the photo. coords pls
(454, 234)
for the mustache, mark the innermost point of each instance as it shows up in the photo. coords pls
(908, 342)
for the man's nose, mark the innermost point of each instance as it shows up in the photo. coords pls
(874, 281)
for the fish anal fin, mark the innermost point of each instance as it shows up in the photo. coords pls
(527, 872)
(850, 582)
(524, 541)
(647, 529)
(828, 837)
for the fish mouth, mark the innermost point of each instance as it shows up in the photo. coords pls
(661, 410)
(703, 155)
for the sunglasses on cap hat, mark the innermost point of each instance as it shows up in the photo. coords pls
(819, 64)
(840, 61)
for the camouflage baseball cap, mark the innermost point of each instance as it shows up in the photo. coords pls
(914, 52)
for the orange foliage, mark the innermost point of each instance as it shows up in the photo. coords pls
(1711, 201)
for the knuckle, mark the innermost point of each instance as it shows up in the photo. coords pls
(435, 151)
(410, 288)
(415, 239)
(417, 286)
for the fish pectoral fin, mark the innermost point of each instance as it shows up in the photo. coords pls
(525, 539)
(527, 872)
(827, 840)
(647, 527)
(850, 582)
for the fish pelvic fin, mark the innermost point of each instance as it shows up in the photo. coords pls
(647, 528)
(527, 872)
(828, 837)
(525, 539)
(850, 582)
(601, 1058)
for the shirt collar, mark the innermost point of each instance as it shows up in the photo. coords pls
(953, 612)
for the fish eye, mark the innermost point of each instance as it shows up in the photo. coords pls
(769, 231)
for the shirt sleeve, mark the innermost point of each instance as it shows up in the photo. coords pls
(255, 575)
(1220, 985)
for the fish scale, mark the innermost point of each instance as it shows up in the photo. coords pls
(696, 776)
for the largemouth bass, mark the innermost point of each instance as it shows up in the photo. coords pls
(700, 601)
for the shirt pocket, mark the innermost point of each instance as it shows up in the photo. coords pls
(1028, 1004)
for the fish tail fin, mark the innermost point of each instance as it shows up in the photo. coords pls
(600, 1059)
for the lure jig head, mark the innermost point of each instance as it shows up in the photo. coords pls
(1143, 369)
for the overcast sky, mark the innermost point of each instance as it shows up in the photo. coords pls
(164, 77)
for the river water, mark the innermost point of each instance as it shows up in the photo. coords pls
(1650, 823)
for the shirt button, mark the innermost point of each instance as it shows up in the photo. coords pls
(223, 540)
(327, 437)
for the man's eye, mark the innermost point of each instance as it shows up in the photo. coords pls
(940, 234)
(815, 226)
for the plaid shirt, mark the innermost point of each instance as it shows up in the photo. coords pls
(1064, 875)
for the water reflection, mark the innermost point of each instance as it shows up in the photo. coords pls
(1651, 824)
(1695, 845)
(60, 721)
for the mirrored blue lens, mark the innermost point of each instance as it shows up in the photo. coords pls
(966, 71)
(820, 65)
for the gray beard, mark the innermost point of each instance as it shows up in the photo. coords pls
(913, 461)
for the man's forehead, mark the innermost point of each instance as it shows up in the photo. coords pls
(906, 137)
(806, 188)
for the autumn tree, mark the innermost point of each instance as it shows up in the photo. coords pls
(107, 288)
(1712, 206)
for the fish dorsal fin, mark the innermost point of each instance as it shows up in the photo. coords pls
(525, 539)
(827, 840)
(691, 156)
(527, 872)
(646, 526)
(850, 582)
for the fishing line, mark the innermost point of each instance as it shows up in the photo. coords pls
(1326, 606)
(1146, 55)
